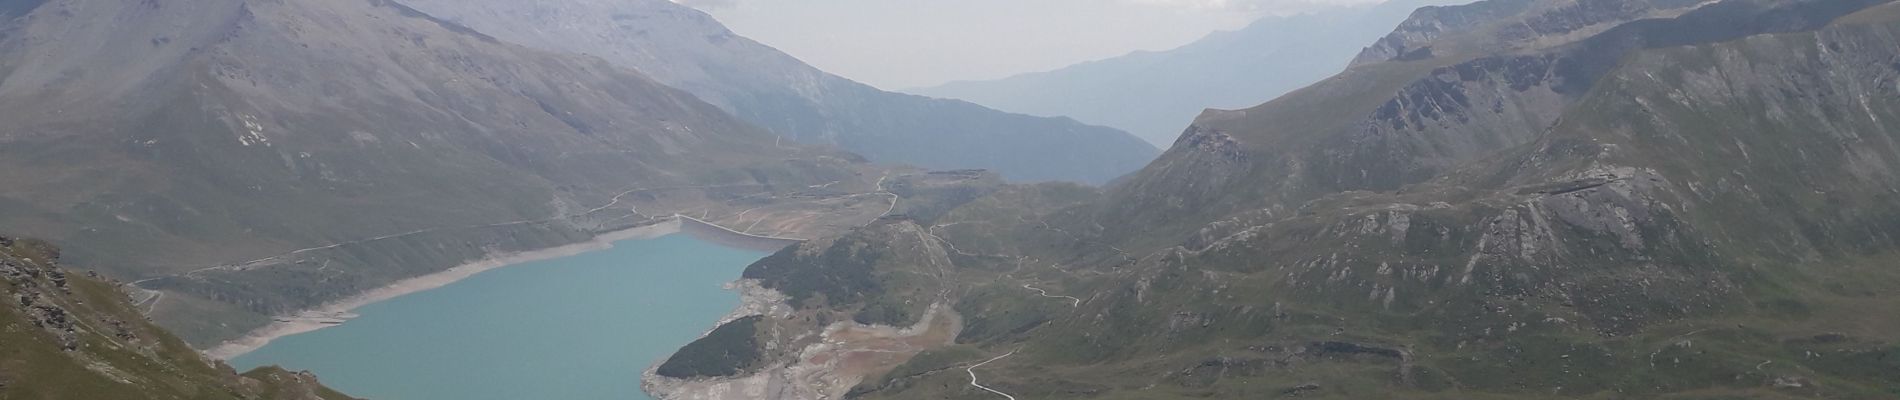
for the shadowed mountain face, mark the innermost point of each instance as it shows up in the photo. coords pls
(689, 50)
(158, 139)
(1153, 94)
(1508, 199)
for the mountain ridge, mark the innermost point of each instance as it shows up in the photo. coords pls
(689, 49)
(1707, 215)
(273, 156)
(1154, 93)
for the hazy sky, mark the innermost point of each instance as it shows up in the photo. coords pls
(900, 44)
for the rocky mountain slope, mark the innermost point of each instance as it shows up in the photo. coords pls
(688, 49)
(1153, 94)
(1509, 199)
(253, 157)
(71, 335)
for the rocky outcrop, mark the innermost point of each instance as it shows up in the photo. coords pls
(1411, 40)
(36, 284)
(1380, 126)
(74, 336)
(1476, 29)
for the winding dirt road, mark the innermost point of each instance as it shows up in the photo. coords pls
(972, 371)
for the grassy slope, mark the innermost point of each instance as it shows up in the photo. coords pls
(118, 354)
(1775, 285)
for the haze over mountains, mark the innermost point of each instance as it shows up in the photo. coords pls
(687, 49)
(1154, 94)
(1503, 199)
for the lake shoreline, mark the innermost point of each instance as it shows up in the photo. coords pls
(337, 313)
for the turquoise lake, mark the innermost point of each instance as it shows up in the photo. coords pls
(579, 327)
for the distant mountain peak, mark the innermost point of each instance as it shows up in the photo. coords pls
(688, 49)
(1154, 93)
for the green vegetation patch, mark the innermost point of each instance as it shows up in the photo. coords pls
(729, 350)
(840, 274)
(66, 335)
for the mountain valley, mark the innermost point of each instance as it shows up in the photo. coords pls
(1509, 199)
(1506, 199)
(277, 156)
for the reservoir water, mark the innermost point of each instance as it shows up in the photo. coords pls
(579, 327)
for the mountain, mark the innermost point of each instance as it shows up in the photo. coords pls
(251, 158)
(1507, 199)
(1153, 94)
(71, 335)
(687, 49)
